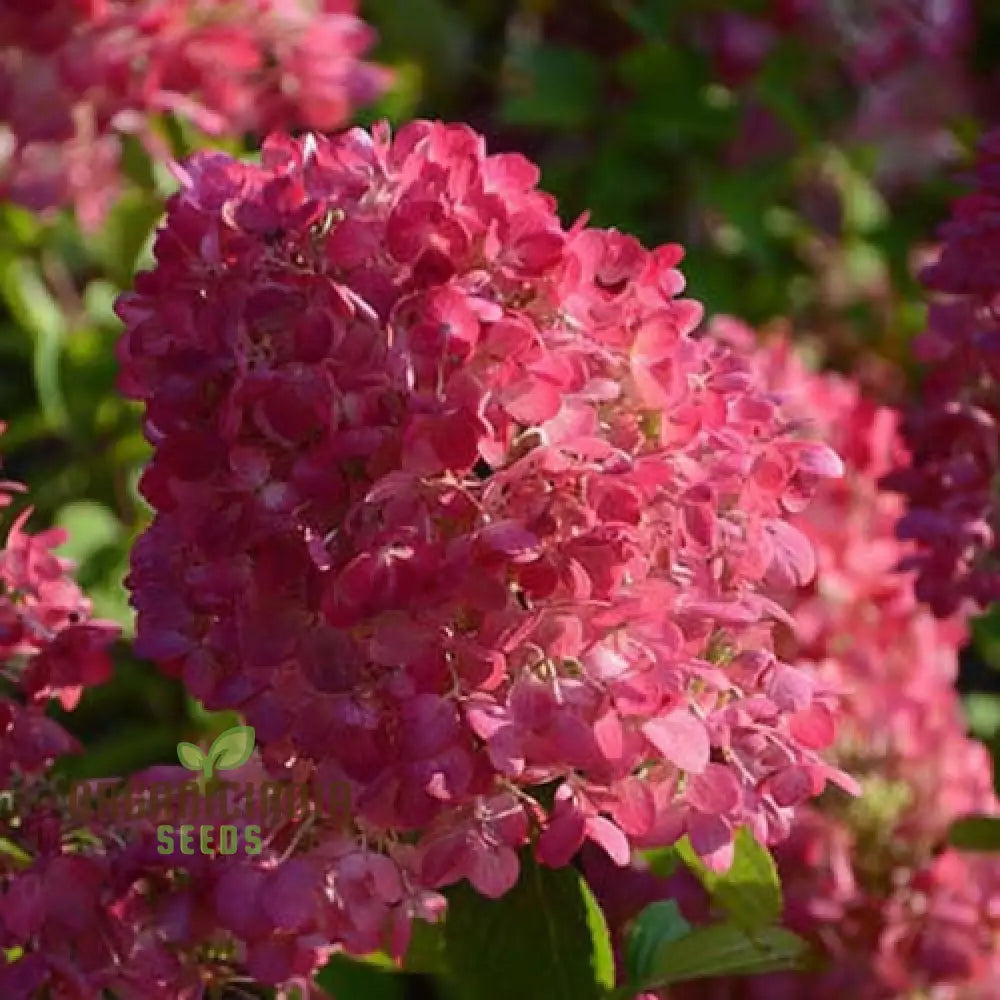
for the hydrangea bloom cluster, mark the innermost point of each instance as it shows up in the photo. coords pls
(868, 880)
(49, 646)
(95, 906)
(50, 649)
(455, 508)
(872, 39)
(951, 484)
(77, 76)
(90, 907)
(885, 48)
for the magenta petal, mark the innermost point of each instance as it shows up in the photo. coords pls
(444, 859)
(236, 902)
(493, 871)
(790, 786)
(289, 897)
(562, 838)
(272, 960)
(510, 539)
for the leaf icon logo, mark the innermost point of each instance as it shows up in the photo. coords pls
(230, 750)
(190, 756)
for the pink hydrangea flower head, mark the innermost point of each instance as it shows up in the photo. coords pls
(49, 646)
(75, 78)
(869, 880)
(454, 502)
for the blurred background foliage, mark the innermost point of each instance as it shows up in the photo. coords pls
(788, 212)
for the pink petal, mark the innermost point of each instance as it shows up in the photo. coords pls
(817, 459)
(608, 836)
(793, 563)
(716, 790)
(712, 840)
(634, 809)
(681, 738)
(532, 401)
(271, 960)
(814, 728)
(609, 735)
(790, 689)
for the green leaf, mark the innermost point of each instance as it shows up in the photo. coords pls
(34, 308)
(986, 635)
(976, 833)
(553, 87)
(864, 207)
(436, 35)
(399, 103)
(426, 953)
(14, 855)
(349, 979)
(91, 527)
(376, 960)
(120, 243)
(982, 714)
(657, 925)
(727, 950)
(546, 939)
(662, 861)
(190, 756)
(750, 892)
(232, 748)
(99, 300)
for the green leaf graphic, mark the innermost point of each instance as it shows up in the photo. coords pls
(190, 756)
(231, 749)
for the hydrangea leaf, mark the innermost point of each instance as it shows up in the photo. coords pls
(552, 86)
(546, 939)
(345, 978)
(13, 855)
(976, 833)
(657, 925)
(750, 891)
(726, 950)
(426, 953)
(662, 861)
(90, 527)
(30, 302)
